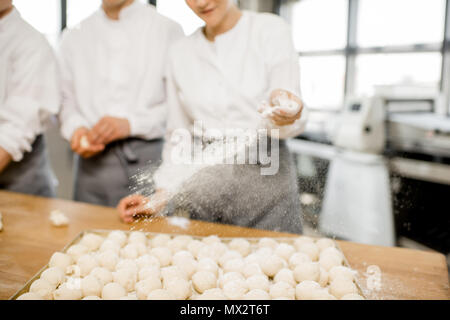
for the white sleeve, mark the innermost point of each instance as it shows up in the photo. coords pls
(70, 116)
(150, 122)
(284, 73)
(32, 96)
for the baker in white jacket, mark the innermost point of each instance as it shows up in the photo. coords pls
(113, 114)
(219, 76)
(29, 95)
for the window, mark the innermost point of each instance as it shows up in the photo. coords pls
(43, 15)
(179, 11)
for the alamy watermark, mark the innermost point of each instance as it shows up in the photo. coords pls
(233, 146)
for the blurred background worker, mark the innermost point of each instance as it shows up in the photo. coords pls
(219, 76)
(29, 95)
(113, 68)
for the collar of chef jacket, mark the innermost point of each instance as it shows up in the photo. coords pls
(7, 21)
(126, 13)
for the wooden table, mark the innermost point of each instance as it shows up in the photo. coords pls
(28, 241)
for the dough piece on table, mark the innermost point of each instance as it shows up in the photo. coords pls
(30, 296)
(285, 251)
(258, 281)
(144, 287)
(129, 251)
(147, 260)
(307, 271)
(55, 276)
(130, 296)
(76, 251)
(126, 277)
(86, 263)
(272, 264)
(194, 247)
(188, 266)
(282, 289)
(322, 294)
(137, 237)
(240, 245)
(159, 240)
(341, 272)
(230, 276)
(58, 218)
(180, 288)
(171, 272)
(163, 254)
(160, 294)
(212, 294)
(43, 289)
(285, 275)
(340, 287)
(311, 250)
(149, 271)
(110, 245)
(204, 280)
(102, 274)
(113, 291)
(298, 242)
(207, 264)
(305, 290)
(323, 277)
(108, 259)
(256, 294)
(328, 261)
(92, 241)
(267, 242)
(234, 265)
(251, 269)
(211, 239)
(324, 243)
(229, 255)
(127, 264)
(235, 289)
(60, 260)
(91, 286)
(66, 292)
(298, 258)
(181, 256)
(118, 237)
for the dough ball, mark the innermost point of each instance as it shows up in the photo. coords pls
(188, 266)
(282, 289)
(126, 277)
(109, 245)
(229, 255)
(240, 245)
(204, 280)
(324, 243)
(91, 286)
(43, 289)
(264, 252)
(341, 272)
(92, 241)
(194, 247)
(267, 242)
(118, 237)
(137, 237)
(328, 261)
(159, 240)
(352, 296)
(113, 291)
(251, 269)
(108, 259)
(76, 251)
(130, 296)
(332, 251)
(252, 258)
(102, 274)
(86, 263)
(298, 242)
(235, 289)
(144, 287)
(298, 258)
(130, 251)
(323, 277)
(163, 254)
(147, 260)
(230, 276)
(127, 264)
(55, 276)
(176, 244)
(258, 281)
(73, 270)
(305, 290)
(149, 271)
(340, 287)
(60, 260)
(219, 248)
(160, 294)
(171, 272)
(311, 250)
(307, 271)
(211, 239)
(30, 296)
(207, 264)
(234, 265)
(208, 252)
(212, 294)
(285, 251)
(181, 256)
(271, 265)
(91, 298)
(66, 292)
(178, 287)
(141, 248)
(285, 275)
(322, 294)
(256, 294)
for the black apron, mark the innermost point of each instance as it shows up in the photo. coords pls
(33, 174)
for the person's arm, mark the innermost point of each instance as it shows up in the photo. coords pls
(284, 76)
(32, 97)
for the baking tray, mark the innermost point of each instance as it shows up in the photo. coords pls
(105, 232)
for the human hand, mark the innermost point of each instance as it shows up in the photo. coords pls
(81, 144)
(109, 129)
(286, 107)
(5, 159)
(136, 205)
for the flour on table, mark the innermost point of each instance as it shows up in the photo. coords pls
(58, 218)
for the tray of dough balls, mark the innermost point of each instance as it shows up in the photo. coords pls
(135, 265)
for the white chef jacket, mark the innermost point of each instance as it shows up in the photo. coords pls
(29, 90)
(222, 83)
(116, 68)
